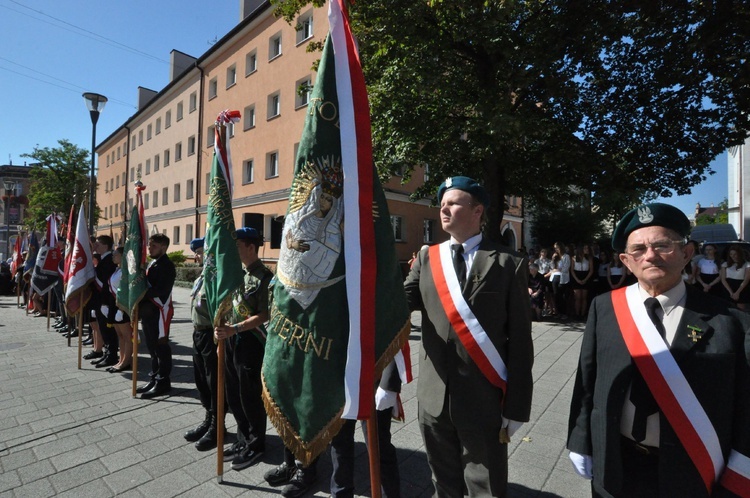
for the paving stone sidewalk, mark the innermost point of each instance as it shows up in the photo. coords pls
(78, 433)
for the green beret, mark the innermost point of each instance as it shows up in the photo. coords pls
(655, 214)
(467, 185)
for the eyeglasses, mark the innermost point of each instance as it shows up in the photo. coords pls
(660, 247)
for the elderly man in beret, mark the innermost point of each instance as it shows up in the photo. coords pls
(245, 342)
(661, 404)
(475, 378)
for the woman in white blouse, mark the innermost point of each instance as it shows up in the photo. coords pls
(707, 277)
(735, 276)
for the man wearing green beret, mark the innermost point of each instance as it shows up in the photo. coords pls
(475, 378)
(660, 405)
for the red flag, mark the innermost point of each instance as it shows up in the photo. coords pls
(17, 261)
(70, 240)
(81, 269)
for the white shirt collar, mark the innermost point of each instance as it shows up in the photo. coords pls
(469, 244)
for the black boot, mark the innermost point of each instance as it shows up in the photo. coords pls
(198, 432)
(208, 441)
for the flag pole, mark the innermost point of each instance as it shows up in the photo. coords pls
(79, 329)
(49, 307)
(373, 451)
(220, 412)
(134, 360)
(79, 326)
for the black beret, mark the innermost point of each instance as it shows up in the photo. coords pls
(196, 244)
(467, 185)
(649, 215)
(248, 233)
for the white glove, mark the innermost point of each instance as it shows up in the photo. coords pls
(104, 309)
(511, 425)
(582, 464)
(385, 399)
(118, 315)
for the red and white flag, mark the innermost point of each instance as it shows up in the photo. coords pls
(70, 240)
(82, 272)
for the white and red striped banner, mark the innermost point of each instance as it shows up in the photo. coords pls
(470, 332)
(222, 149)
(736, 477)
(668, 385)
(70, 239)
(81, 268)
(359, 230)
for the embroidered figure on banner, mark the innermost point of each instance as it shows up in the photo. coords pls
(312, 234)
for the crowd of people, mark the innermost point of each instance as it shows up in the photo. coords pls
(564, 285)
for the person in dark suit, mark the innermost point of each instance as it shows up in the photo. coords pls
(156, 312)
(104, 270)
(475, 380)
(342, 445)
(660, 405)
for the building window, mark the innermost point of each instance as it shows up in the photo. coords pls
(148, 132)
(272, 165)
(164, 196)
(429, 231)
(132, 144)
(124, 179)
(188, 233)
(274, 47)
(189, 189)
(158, 125)
(175, 235)
(118, 153)
(117, 213)
(145, 201)
(208, 182)
(108, 160)
(213, 88)
(251, 63)
(117, 181)
(166, 158)
(176, 193)
(248, 172)
(148, 166)
(231, 75)
(155, 199)
(304, 27)
(156, 162)
(178, 152)
(193, 103)
(168, 119)
(191, 146)
(397, 224)
(125, 149)
(132, 172)
(426, 172)
(140, 137)
(249, 117)
(302, 90)
(210, 136)
(274, 105)
(179, 111)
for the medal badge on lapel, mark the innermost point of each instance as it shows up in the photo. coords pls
(695, 333)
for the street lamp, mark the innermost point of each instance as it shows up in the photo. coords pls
(10, 186)
(95, 104)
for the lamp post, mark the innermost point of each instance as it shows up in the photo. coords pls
(95, 104)
(10, 186)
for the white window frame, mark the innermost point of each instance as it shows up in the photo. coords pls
(248, 171)
(231, 75)
(251, 62)
(397, 224)
(272, 164)
(274, 105)
(275, 47)
(213, 88)
(249, 119)
(304, 27)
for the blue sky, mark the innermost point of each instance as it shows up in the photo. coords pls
(52, 52)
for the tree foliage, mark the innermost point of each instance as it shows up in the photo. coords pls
(625, 99)
(59, 180)
(720, 217)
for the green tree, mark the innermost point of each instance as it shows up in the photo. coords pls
(721, 217)
(625, 100)
(59, 179)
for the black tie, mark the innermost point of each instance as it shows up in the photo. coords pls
(640, 395)
(459, 264)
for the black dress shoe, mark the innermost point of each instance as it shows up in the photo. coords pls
(162, 386)
(72, 333)
(108, 361)
(195, 434)
(88, 342)
(147, 387)
(115, 370)
(100, 359)
(92, 355)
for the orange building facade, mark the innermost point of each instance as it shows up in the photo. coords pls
(257, 68)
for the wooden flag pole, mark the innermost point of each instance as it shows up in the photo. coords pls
(220, 412)
(373, 451)
(79, 325)
(49, 307)
(134, 361)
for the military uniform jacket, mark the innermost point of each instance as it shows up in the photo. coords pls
(252, 298)
(716, 367)
(496, 291)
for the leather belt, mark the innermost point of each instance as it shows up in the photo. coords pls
(639, 448)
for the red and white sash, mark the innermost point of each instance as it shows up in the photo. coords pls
(668, 385)
(166, 311)
(736, 477)
(462, 319)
